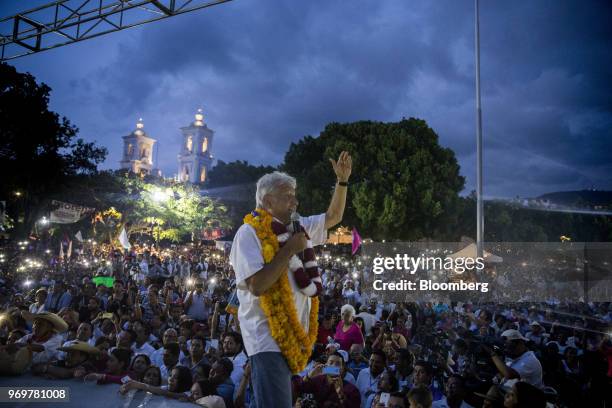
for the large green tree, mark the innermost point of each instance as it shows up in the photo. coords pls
(510, 222)
(236, 172)
(38, 149)
(404, 185)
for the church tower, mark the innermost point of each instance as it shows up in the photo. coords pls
(138, 151)
(195, 157)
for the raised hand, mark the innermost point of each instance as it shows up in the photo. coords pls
(343, 166)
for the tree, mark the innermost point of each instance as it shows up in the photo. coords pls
(404, 184)
(38, 150)
(508, 222)
(236, 172)
(167, 210)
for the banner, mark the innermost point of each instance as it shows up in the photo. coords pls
(79, 236)
(66, 213)
(107, 281)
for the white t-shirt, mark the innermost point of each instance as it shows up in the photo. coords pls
(246, 259)
(367, 385)
(529, 368)
(34, 308)
(146, 349)
(369, 320)
(49, 353)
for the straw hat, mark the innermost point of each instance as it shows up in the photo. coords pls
(59, 325)
(81, 346)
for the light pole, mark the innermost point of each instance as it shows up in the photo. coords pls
(479, 198)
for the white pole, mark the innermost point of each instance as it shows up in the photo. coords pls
(479, 200)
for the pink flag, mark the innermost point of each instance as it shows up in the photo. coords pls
(356, 241)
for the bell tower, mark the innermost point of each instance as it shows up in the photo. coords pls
(195, 156)
(138, 151)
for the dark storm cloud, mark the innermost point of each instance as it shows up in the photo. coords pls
(268, 73)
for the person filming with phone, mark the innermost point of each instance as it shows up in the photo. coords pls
(325, 382)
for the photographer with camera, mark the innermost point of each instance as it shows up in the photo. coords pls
(325, 382)
(388, 338)
(525, 366)
(196, 302)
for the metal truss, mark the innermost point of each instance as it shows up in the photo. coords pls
(68, 21)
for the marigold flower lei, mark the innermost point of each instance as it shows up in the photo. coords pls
(278, 305)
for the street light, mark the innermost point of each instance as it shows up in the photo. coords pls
(161, 196)
(44, 221)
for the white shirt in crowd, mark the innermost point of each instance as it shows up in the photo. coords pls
(365, 384)
(369, 320)
(246, 258)
(239, 361)
(146, 349)
(529, 368)
(34, 308)
(49, 354)
(198, 309)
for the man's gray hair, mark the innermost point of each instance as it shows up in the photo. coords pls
(270, 182)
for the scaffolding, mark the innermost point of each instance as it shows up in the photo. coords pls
(68, 21)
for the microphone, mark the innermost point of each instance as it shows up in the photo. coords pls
(295, 221)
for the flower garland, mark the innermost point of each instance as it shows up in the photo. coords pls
(278, 305)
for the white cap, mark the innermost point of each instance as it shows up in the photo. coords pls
(513, 334)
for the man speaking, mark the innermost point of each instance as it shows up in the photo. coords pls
(278, 282)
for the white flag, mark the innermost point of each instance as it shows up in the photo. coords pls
(61, 254)
(79, 236)
(123, 238)
(69, 252)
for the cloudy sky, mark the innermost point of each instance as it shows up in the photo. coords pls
(270, 72)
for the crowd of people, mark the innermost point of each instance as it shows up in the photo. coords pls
(164, 322)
